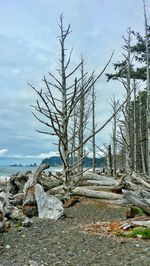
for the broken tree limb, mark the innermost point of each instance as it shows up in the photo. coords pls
(4, 204)
(141, 223)
(33, 178)
(137, 199)
(29, 202)
(95, 194)
(100, 182)
(93, 176)
(48, 184)
(140, 181)
(126, 183)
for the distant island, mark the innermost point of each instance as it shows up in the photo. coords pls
(21, 165)
(55, 161)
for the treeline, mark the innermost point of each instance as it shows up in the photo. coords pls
(88, 162)
(130, 145)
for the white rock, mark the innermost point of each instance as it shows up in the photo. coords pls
(26, 222)
(1, 226)
(48, 206)
(33, 263)
(15, 213)
(8, 246)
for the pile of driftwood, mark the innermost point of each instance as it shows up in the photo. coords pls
(22, 197)
(42, 194)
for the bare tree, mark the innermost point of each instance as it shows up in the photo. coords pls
(59, 110)
(55, 112)
(83, 115)
(127, 85)
(123, 74)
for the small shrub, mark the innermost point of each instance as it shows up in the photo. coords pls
(141, 232)
(134, 211)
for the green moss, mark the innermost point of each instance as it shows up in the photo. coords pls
(140, 231)
(19, 221)
(137, 211)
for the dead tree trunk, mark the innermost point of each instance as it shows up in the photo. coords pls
(141, 137)
(114, 105)
(135, 130)
(110, 169)
(93, 129)
(148, 87)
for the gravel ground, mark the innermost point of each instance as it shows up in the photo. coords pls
(63, 242)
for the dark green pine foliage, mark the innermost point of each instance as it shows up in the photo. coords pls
(140, 47)
(139, 51)
(121, 72)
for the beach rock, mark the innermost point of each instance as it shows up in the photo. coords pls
(26, 222)
(8, 246)
(33, 263)
(48, 206)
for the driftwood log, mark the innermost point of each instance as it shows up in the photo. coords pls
(130, 189)
(16, 183)
(138, 199)
(29, 205)
(4, 204)
(96, 194)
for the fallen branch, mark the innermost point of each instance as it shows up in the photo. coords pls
(95, 194)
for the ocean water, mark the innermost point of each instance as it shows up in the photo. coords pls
(7, 171)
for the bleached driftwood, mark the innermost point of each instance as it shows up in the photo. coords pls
(139, 180)
(141, 223)
(4, 204)
(138, 199)
(16, 183)
(48, 184)
(29, 202)
(7, 210)
(100, 182)
(105, 179)
(48, 206)
(78, 191)
(33, 178)
(17, 199)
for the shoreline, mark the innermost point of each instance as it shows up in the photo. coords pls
(7, 171)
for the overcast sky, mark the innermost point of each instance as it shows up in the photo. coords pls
(29, 49)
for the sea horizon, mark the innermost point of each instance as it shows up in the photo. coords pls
(9, 166)
(7, 171)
